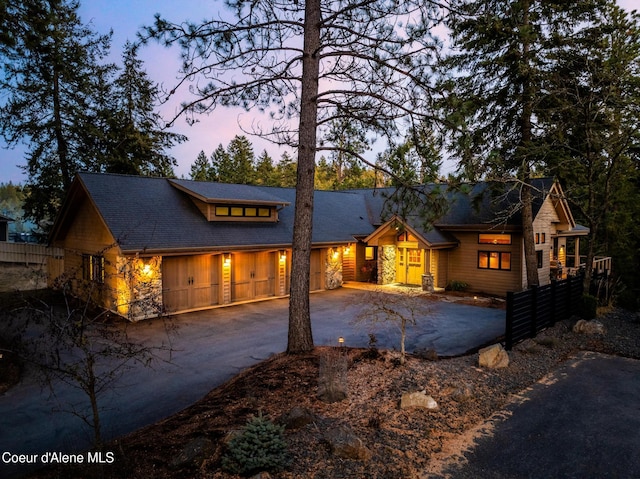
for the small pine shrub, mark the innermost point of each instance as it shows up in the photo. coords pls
(259, 448)
(456, 285)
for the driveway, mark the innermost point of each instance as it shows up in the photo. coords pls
(580, 422)
(209, 348)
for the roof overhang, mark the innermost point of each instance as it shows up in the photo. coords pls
(263, 201)
(394, 225)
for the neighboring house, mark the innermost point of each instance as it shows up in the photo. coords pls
(4, 228)
(148, 245)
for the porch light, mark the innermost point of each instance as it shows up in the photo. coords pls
(336, 254)
(347, 250)
(146, 270)
(227, 259)
(283, 256)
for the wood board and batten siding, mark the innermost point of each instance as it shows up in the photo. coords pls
(463, 264)
(544, 229)
(88, 236)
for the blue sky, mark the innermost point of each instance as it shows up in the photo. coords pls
(126, 17)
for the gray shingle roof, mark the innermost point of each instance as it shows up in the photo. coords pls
(156, 214)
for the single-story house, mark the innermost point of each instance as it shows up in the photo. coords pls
(143, 245)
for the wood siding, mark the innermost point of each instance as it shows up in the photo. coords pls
(463, 265)
(545, 223)
(87, 235)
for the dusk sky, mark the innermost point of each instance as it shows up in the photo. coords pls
(126, 17)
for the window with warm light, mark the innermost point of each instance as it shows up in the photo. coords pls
(369, 253)
(494, 238)
(93, 268)
(494, 260)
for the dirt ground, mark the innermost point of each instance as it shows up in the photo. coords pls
(401, 443)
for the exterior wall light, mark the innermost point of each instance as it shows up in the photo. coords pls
(227, 259)
(283, 256)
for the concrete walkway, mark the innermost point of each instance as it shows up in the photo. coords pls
(211, 347)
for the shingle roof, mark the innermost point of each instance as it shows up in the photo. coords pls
(156, 214)
(147, 214)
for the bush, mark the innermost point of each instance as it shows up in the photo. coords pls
(456, 285)
(588, 307)
(259, 448)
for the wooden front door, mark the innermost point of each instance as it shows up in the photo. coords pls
(410, 265)
(190, 282)
(252, 276)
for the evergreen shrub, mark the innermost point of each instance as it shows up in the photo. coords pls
(260, 447)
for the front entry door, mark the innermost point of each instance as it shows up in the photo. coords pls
(410, 265)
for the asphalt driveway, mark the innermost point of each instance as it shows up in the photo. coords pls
(209, 348)
(580, 422)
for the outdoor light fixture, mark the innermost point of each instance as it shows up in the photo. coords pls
(283, 256)
(227, 259)
(336, 254)
(146, 270)
(341, 341)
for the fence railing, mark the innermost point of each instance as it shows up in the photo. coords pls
(28, 253)
(532, 310)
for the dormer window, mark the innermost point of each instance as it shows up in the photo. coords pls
(227, 202)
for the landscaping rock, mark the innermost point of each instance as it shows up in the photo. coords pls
(194, 453)
(493, 357)
(345, 444)
(589, 327)
(428, 354)
(417, 399)
(296, 418)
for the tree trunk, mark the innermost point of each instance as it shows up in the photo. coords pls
(531, 263)
(300, 338)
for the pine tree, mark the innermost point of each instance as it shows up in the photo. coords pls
(137, 137)
(265, 170)
(240, 151)
(54, 84)
(201, 168)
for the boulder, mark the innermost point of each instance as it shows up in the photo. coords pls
(493, 357)
(589, 327)
(344, 444)
(417, 399)
(194, 453)
(428, 354)
(296, 418)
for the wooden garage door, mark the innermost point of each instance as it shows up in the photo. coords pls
(190, 282)
(315, 280)
(252, 276)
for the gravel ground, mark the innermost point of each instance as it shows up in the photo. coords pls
(395, 442)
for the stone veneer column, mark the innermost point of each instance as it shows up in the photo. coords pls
(386, 264)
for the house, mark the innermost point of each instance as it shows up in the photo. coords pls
(145, 245)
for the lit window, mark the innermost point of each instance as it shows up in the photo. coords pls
(93, 268)
(494, 260)
(369, 253)
(250, 211)
(490, 238)
(264, 212)
(237, 211)
(222, 211)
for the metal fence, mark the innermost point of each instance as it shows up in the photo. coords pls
(532, 310)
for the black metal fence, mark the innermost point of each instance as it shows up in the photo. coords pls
(532, 310)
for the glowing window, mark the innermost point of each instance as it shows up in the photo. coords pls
(491, 238)
(494, 260)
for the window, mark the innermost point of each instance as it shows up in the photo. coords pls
(406, 236)
(541, 238)
(494, 238)
(369, 253)
(93, 268)
(243, 211)
(539, 257)
(494, 260)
